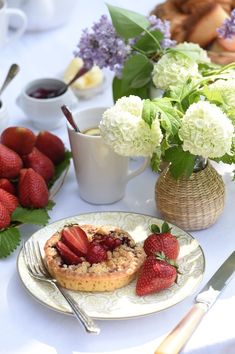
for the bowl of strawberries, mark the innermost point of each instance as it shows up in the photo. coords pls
(30, 165)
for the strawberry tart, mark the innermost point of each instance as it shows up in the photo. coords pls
(93, 258)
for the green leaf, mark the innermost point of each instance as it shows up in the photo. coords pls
(9, 240)
(182, 162)
(170, 120)
(136, 72)
(149, 112)
(31, 216)
(118, 92)
(165, 228)
(128, 24)
(156, 160)
(214, 96)
(149, 42)
(61, 167)
(155, 229)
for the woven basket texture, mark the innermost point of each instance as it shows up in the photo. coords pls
(192, 203)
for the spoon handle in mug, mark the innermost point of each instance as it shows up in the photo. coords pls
(12, 72)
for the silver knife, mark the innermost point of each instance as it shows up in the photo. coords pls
(177, 338)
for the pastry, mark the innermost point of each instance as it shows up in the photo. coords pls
(169, 11)
(117, 267)
(203, 29)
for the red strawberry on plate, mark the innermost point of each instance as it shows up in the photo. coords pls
(4, 217)
(40, 163)
(51, 146)
(96, 253)
(76, 239)
(162, 241)
(156, 274)
(68, 256)
(8, 200)
(32, 189)
(10, 163)
(7, 185)
(19, 139)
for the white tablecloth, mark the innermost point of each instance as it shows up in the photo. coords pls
(27, 327)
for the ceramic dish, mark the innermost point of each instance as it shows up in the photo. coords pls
(122, 303)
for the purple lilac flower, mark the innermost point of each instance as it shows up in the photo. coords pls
(103, 47)
(157, 24)
(227, 30)
(164, 27)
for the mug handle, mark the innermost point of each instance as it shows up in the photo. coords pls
(21, 29)
(139, 170)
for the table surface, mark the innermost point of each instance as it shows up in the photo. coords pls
(28, 327)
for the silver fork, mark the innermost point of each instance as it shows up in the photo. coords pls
(37, 269)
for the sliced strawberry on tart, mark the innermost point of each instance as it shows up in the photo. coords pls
(93, 258)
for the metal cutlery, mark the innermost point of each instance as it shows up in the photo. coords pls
(37, 269)
(177, 338)
(12, 72)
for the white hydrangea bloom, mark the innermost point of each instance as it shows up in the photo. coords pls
(226, 89)
(123, 129)
(173, 68)
(206, 130)
(199, 54)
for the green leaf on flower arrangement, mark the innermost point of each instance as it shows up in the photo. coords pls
(169, 118)
(118, 92)
(156, 160)
(207, 68)
(128, 24)
(184, 94)
(214, 96)
(149, 112)
(32, 216)
(136, 72)
(149, 43)
(9, 240)
(182, 162)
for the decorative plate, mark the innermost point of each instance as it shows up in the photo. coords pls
(122, 303)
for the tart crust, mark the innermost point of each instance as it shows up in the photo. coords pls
(119, 270)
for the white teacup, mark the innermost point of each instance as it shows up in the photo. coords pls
(5, 15)
(101, 174)
(45, 113)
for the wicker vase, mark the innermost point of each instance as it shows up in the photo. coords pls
(192, 203)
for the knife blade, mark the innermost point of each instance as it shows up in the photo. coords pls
(177, 338)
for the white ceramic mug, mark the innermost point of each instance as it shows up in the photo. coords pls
(101, 174)
(5, 15)
(44, 14)
(45, 113)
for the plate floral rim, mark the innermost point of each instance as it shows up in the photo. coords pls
(74, 218)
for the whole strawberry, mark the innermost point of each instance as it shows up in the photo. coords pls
(10, 163)
(7, 185)
(19, 139)
(4, 217)
(51, 146)
(32, 189)
(39, 163)
(157, 273)
(8, 200)
(162, 241)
